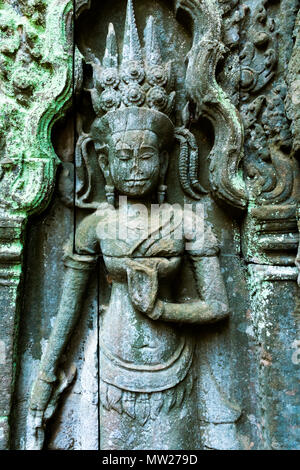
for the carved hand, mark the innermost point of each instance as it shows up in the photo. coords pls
(211, 288)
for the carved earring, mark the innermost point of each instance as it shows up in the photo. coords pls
(161, 194)
(110, 194)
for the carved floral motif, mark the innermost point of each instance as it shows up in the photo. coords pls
(260, 53)
(271, 171)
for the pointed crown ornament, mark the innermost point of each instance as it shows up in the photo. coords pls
(136, 94)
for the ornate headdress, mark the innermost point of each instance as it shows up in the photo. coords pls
(136, 94)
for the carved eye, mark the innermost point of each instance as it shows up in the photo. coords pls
(146, 155)
(146, 152)
(123, 156)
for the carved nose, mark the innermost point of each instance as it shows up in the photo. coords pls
(135, 167)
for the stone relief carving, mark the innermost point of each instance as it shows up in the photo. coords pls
(146, 374)
(212, 102)
(260, 53)
(271, 173)
(270, 237)
(252, 158)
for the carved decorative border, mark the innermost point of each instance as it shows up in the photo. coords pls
(226, 178)
(36, 57)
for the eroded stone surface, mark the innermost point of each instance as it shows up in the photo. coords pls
(243, 391)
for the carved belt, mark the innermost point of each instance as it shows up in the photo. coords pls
(145, 378)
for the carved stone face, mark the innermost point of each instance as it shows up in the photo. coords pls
(134, 162)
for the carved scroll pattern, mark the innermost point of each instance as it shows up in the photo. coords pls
(272, 174)
(36, 79)
(211, 101)
(270, 170)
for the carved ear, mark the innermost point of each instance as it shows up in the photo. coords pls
(164, 163)
(103, 163)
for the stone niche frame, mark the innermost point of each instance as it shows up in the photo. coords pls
(36, 89)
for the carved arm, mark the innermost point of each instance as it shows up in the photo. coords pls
(210, 285)
(76, 277)
(51, 382)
